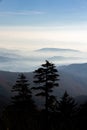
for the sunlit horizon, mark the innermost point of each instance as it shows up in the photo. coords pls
(31, 38)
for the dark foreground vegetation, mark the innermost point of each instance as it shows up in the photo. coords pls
(57, 114)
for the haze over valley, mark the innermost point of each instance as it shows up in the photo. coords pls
(27, 61)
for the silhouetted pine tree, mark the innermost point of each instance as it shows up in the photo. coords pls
(67, 108)
(47, 78)
(20, 115)
(67, 105)
(22, 93)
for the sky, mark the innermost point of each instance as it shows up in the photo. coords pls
(42, 12)
(35, 24)
(28, 25)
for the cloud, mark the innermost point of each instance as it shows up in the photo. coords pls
(4, 59)
(31, 12)
(15, 60)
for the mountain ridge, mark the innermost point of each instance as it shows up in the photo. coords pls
(57, 49)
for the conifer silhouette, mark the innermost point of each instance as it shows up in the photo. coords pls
(46, 78)
(23, 94)
(67, 105)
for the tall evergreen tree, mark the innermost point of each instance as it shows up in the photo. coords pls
(67, 106)
(20, 114)
(67, 111)
(46, 77)
(22, 93)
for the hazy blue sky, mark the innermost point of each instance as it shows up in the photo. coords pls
(42, 12)
(32, 24)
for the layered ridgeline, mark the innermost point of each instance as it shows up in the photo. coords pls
(73, 79)
(29, 60)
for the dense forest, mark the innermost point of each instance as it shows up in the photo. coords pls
(23, 112)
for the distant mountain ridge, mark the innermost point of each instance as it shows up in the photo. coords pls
(77, 69)
(57, 49)
(63, 58)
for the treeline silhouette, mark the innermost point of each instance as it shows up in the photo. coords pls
(57, 114)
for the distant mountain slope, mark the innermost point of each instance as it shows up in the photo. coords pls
(8, 79)
(77, 68)
(74, 84)
(73, 78)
